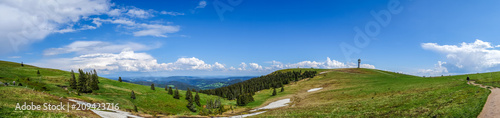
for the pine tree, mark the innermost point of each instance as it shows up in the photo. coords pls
(81, 85)
(197, 99)
(135, 109)
(191, 106)
(88, 83)
(170, 91)
(133, 96)
(274, 92)
(72, 80)
(152, 86)
(282, 88)
(38, 72)
(176, 94)
(188, 94)
(94, 81)
(95, 72)
(120, 79)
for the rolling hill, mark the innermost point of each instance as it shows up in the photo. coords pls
(345, 93)
(52, 84)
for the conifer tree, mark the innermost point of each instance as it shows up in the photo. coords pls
(81, 85)
(97, 77)
(88, 83)
(191, 106)
(120, 79)
(22, 65)
(274, 91)
(135, 109)
(197, 99)
(152, 86)
(188, 94)
(72, 80)
(94, 81)
(282, 88)
(133, 96)
(38, 72)
(176, 94)
(170, 91)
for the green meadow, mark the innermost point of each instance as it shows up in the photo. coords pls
(346, 93)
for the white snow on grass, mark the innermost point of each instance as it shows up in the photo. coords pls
(314, 89)
(275, 104)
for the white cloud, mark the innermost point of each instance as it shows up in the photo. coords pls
(172, 13)
(255, 66)
(439, 69)
(201, 4)
(24, 21)
(139, 13)
(329, 63)
(90, 47)
(156, 30)
(478, 56)
(116, 12)
(127, 60)
(142, 29)
(243, 66)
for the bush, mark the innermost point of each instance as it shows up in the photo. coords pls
(132, 95)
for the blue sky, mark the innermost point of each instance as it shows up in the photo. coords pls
(219, 37)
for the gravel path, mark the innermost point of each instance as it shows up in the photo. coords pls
(491, 108)
(107, 114)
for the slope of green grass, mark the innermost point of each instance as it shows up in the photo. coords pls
(369, 93)
(50, 81)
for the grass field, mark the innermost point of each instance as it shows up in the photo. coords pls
(345, 93)
(376, 93)
(50, 81)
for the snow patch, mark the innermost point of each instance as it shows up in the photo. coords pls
(275, 104)
(314, 89)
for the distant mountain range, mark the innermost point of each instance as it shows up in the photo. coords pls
(184, 82)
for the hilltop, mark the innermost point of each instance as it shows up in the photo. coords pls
(349, 92)
(369, 92)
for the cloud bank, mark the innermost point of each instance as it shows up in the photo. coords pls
(478, 56)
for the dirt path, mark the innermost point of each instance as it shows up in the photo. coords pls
(492, 107)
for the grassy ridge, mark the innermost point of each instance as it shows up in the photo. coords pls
(345, 93)
(367, 92)
(148, 101)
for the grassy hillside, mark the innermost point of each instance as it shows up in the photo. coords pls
(345, 93)
(51, 81)
(368, 92)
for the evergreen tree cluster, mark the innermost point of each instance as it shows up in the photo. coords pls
(86, 83)
(246, 89)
